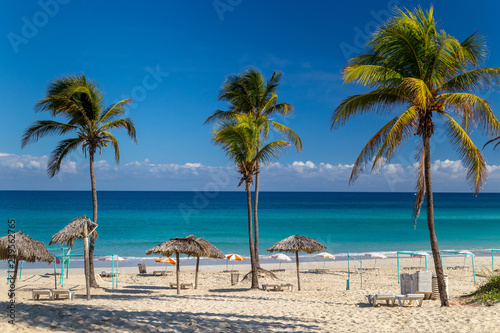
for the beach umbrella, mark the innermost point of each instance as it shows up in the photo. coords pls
(234, 257)
(295, 244)
(73, 231)
(325, 255)
(110, 258)
(419, 255)
(376, 255)
(21, 247)
(281, 257)
(210, 252)
(467, 253)
(186, 245)
(166, 260)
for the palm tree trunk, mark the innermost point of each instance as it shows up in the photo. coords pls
(255, 282)
(255, 217)
(196, 275)
(430, 223)
(93, 282)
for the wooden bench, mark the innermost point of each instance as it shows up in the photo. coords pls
(36, 293)
(287, 286)
(271, 287)
(183, 285)
(62, 294)
(107, 274)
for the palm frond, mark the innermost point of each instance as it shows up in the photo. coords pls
(125, 123)
(271, 151)
(370, 75)
(480, 79)
(114, 110)
(64, 148)
(114, 142)
(289, 135)
(380, 101)
(470, 155)
(42, 128)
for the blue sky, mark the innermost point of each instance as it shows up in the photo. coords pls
(172, 57)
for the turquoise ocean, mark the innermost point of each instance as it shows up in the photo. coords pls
(132, 222)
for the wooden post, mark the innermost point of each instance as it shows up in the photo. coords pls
(298, 271)
(196, 275)
(15, 274)
(177, 269)
(86, 257)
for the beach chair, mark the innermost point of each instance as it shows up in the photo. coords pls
(183, 285)
(62, 294)
(163, 273)
(36, 293)
(389, 299)
(271, 287)
(107, 274)
(287, 286)
(409, 298)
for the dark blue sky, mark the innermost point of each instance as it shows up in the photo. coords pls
(172, 58)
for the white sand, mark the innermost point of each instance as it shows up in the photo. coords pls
(145, 304)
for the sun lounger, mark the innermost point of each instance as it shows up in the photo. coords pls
(162, 273)
(41, 292)
(277, 287)
(183, 285)
(277, 270)
(409, 298)
(271, 287)
(389, 299)
(107, 274)
(62, 294)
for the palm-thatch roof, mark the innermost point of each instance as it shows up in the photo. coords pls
(297, 243)
(186, 245)
(25, 249)
(73, 231)
(212, 251)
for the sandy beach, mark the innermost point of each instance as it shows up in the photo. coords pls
(146, 304)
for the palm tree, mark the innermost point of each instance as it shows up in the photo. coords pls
(249, 93)
(427, 73)
(239, 137)
(81, 103)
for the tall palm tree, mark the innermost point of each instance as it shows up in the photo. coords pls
(81, 103)
(249, 93)
(239, 137)
(428, 74)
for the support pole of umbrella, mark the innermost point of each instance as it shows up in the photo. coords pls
(298, 270)
(177, 269)
(86, 253)
(196, 274)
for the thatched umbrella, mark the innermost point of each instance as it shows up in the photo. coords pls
(73, 231)
(295, 244)
(211, 252)
(187, 245)
(19, 246)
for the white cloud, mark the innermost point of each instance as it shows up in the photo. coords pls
(447, 175)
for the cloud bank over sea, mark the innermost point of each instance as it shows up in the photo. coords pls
(28, 172)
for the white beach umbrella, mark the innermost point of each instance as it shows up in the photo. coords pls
(281, 257)
(467, 254)
(376, 255)
(325, 255)
(420, 255)
(110, 258)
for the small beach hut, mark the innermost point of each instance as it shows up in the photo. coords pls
(18, 246)
(186, 245)
(297, 243)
